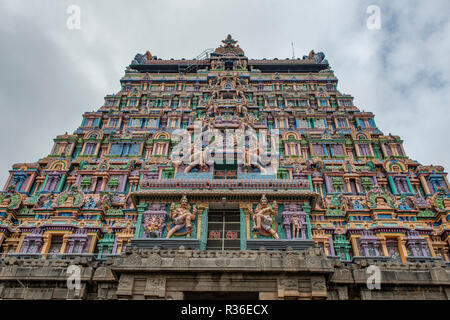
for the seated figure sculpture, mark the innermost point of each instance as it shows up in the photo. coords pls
(153, 225)
(182, 216)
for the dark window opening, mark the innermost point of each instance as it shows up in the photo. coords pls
(223, 229)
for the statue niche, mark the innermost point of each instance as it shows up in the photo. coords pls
(294, 221)
(155, 220)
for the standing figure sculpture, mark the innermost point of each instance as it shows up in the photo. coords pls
(262, 217)
(182, 216)
(296, 226)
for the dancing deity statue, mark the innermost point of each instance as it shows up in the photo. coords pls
(262, 217)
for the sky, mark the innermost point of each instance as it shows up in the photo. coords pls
(51, 74)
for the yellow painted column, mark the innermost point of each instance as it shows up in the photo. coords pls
(64, 244)
(357, 185)
(357, 150)
(93, 244)
(119, 246)
(104, 184)
(424, 184)
(82, 149)
(445, 253)
(384, 247)
(46, 245)
(402, 249)
(201, 209)
(371, 150)
(430, 246)
(19, 245)
(394, 151)
(355, 246)
(347, 183)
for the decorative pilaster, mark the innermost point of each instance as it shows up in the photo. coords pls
(354, 241)
(402, 249)
(424, 185)
(409, 185)
(61, 183)
(307, 209)
(392, 184)
(141, 207)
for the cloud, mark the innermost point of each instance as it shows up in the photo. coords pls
(51, 75)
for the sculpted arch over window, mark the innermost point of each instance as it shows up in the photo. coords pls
(59, 165)
(93, 135)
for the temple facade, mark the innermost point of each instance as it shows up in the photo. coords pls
(250, 164)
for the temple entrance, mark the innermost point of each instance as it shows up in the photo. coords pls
(223, 227)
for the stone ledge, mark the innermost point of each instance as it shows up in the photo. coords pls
(150, 243)
(152, 273)
(274, 244)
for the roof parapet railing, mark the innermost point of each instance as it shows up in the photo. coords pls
(194, 63)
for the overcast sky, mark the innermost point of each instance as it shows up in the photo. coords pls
(50, 75)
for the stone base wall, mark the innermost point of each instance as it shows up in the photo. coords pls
(176, 274)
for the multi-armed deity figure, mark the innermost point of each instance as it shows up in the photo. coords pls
(154, 225)
(182, 216)
(262, 217)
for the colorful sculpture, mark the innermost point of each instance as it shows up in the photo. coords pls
(296, 225)
(289, 134)
(182, 215)
(262, 217)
